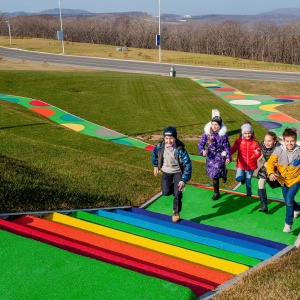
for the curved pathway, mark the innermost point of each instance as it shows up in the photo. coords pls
(260, 108)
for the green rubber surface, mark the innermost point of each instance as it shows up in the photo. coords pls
(233, 212)
(40, 271)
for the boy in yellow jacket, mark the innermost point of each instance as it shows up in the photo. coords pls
(287, 160)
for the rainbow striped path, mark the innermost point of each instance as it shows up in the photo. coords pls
(152, 231)
(149, 244)
(188, 255)
(124, 255)
(40, 269)
(261, 108)
(193, 235)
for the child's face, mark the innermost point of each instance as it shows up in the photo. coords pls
(247, 135)
(169, 141)
(269, 141)
(289, 142)
(215, 126)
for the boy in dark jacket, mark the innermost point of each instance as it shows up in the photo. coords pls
(171, 157)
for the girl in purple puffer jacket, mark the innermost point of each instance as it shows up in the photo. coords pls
(214, 144)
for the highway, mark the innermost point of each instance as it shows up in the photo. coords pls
(145, 67)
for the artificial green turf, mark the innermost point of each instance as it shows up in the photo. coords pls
(233, 212)
(34, 270)
(272, 193)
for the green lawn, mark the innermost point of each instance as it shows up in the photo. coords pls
(46, 166)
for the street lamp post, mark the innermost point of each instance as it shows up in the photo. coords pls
(9, 32)
(159, 46)
(61, 29)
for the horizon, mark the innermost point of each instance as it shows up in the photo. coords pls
(187, 7)
(129, 11)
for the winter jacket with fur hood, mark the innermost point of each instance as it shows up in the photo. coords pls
(218, 150)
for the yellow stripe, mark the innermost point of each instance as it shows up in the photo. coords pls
(192, 256)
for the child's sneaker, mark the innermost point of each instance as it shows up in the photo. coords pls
(287, 228)
(296, 213)
(175, 217)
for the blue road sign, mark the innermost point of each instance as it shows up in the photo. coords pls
(158, 40)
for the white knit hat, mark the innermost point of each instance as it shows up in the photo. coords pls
(246, 128)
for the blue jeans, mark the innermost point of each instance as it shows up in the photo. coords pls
(247, 175)
(289, 196)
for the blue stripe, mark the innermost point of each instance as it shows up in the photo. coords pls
(212, 229)
(160, 226)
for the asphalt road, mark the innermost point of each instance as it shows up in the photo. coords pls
(146, 67)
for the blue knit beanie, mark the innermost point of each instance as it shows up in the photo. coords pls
(170, 131)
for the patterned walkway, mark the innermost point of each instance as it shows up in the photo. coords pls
(260, 108)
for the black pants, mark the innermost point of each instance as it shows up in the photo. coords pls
(216, 185)
(169, 186)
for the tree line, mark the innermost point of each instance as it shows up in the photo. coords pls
(263, 41)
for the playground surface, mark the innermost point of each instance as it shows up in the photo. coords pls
(139, 252)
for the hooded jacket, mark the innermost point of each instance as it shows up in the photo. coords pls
(218, 150)
(248, 153)
(288, 165)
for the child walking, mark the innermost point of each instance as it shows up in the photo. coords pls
(248, 150)
(267, 147)
(214, 145)
(171, 157)
(287, 160)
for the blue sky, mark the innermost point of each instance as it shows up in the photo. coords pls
(181, 7)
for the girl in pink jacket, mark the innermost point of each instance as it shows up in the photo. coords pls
(248, 150)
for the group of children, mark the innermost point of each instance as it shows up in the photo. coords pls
(280, 164)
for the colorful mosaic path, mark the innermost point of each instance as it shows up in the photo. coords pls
(74, 123)
(77, 124)
(260, 108)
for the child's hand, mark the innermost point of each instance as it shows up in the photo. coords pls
(156, 171)
(273, 176)
(181, 186)
(204, 153)
(227, 161)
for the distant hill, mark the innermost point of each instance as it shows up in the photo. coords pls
(277, 16)
(64, 11)
(283, 11)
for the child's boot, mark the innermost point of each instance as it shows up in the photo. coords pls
(216, 194)
(263, 200)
